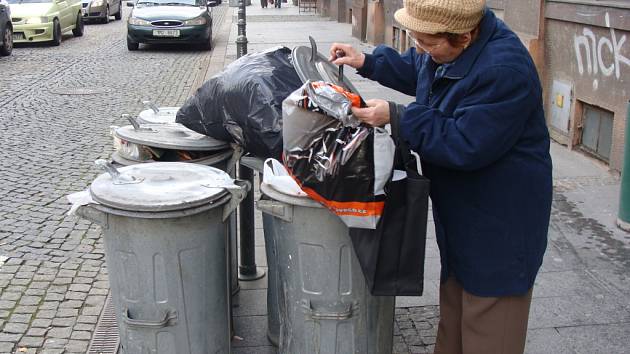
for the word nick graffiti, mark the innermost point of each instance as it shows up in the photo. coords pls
(594, 50)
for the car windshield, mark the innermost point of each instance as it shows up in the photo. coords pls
(28, 1)
(171, 2)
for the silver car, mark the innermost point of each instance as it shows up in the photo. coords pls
(101, 10)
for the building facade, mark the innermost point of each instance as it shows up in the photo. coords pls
(581, 49)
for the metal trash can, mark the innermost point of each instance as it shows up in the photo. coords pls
(327, 307)
(140, 142)
(165, 243)
(168, 142)
(274, 293)
(157, 115)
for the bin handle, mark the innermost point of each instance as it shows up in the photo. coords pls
(90, 213)
(151, 106)
(238, 193)
(169, 319)
(274, 208)
(136, 124)
(322, 315)
(117, 177)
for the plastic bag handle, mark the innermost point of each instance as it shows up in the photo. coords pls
(402, 148)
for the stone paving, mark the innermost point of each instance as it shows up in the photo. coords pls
(56, 107)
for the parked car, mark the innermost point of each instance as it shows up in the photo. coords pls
(45, 20)
(101, 10)
(170, 21)
(6, 30)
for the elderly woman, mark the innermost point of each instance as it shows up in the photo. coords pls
(479, 127)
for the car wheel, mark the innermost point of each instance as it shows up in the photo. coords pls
(79, 26)
(208, 46)
(132, 45)
(7, 44)
(118, 15)
(106, 18)
(56, 33)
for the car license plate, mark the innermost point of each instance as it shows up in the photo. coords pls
(166, 33)
(18, 36)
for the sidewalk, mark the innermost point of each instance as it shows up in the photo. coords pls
(580, 302)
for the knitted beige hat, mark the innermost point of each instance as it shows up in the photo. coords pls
(438, 16)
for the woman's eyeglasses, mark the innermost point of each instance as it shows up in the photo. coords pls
(426, 48)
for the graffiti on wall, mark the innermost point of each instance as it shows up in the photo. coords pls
(590, 50)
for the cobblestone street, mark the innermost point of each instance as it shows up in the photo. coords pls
(56, 106)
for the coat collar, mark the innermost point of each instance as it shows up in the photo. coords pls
(464, 63)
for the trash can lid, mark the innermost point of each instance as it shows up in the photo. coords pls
(160, 186)
(169, 136)
(313, 66)
(164, 115)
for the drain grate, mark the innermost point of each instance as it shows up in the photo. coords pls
(79, 91)
(105, 339)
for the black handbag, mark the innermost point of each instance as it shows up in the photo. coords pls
(392, 255)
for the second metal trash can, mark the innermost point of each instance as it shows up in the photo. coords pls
(173, 139)
(327, 307)
(165, 243)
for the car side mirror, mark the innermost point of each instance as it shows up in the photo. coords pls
(212, 3)
(129, 4)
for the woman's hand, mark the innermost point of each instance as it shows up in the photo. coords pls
(375, 114)
(351, 56)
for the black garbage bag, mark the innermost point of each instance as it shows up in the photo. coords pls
(243, 103)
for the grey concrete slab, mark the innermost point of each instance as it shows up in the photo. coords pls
(250, 302)
(576, 310)
(560, 255)
(256, 284)
(255, 350)
(610, 338)
(252, 330)
(546, 341)
(568, 283)
(574, 164)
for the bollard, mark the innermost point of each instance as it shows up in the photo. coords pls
(623, 219)
(241, 40)
(247, 269)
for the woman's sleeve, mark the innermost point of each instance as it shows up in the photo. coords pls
(484, 126)
(392, 69)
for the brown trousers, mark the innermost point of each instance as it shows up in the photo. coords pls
(472, 324)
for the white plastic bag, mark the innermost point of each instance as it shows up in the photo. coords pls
(277, 177)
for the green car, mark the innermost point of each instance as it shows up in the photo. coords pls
(170, 21)
(45, 20)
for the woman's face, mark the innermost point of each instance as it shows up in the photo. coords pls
(438, 47)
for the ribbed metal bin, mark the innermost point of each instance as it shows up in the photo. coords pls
(166, 251)
(325, 306)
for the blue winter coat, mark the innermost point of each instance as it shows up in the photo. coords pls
(480, 129)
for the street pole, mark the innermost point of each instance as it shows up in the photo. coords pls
(623, 219)
(247, 269)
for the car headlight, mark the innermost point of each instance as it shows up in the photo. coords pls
(196, 21)
(36, 20)
(98, 2)
(138, 21)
